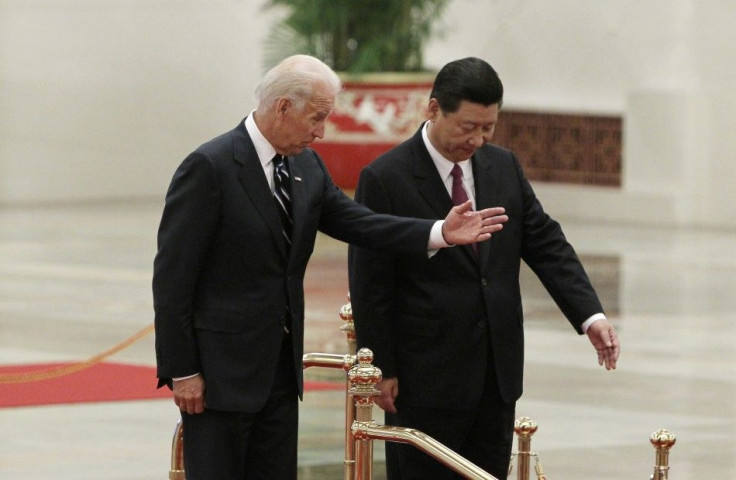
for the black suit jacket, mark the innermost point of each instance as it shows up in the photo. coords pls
(429, 321)
(222, 277)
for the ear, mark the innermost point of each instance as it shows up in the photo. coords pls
(282, 106)
(433, 109)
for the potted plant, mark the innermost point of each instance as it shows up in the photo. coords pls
(377, 48)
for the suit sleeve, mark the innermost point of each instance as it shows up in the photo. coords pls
(553, 259)
(185, 233)
(372, 280)
(354, 223)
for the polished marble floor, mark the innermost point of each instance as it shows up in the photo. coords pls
(75, 280)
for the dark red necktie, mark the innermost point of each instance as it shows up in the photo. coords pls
(459, 196)
(458, 191)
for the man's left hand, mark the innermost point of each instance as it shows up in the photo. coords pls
(463, 225)
(605, 341)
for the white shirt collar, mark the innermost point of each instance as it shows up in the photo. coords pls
(444, 166)
(264, 149)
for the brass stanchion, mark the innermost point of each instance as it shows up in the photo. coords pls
(363, 378)
(525, 427)
(176, 472)
(346, 314)
(346, 362)
(662, 440)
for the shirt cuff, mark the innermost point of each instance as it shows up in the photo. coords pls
(184, 378)
(586, 324)
(436, 239)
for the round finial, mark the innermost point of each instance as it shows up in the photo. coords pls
(365, 356)
(364, 376)
(662, 438)
(525, 426)
(346, 312)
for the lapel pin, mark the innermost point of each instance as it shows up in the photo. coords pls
(298, 179)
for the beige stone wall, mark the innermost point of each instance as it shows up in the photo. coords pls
(102, 99)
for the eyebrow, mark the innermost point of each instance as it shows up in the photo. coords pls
(482, 124)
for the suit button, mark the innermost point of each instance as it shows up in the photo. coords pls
(484, 282)
(481, 324)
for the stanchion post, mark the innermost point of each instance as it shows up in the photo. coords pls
(662, 440)
(346, 314)
(524, 428)
(176, 472)
(363, 378)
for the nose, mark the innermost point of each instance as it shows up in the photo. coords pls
(477, 140)
(319, 131)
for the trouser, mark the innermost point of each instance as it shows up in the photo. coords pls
(249, 446)
(484, 435)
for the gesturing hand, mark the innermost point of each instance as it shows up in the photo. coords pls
(463, 225)
(603, 337)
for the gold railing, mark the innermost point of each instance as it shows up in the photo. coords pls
(361, 430)
(363, 378)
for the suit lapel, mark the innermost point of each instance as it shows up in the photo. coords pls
(427, 179)
(254, 183)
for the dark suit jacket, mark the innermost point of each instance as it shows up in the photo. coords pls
(222, 277)
(429, 320)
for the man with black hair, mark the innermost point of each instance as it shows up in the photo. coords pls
(447, 330)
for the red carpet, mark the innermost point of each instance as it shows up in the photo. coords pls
(102, 382)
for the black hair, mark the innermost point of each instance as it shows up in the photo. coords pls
(470, 79)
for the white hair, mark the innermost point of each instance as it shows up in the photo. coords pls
(295, 78)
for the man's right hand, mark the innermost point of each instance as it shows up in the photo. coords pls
(189, 394)
(389, 389)
(463, 226)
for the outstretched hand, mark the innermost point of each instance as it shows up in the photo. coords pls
(463, 225)
(605, 341)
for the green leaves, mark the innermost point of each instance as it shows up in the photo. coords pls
(355, 36)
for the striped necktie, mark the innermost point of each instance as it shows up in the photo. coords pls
(282, 195)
